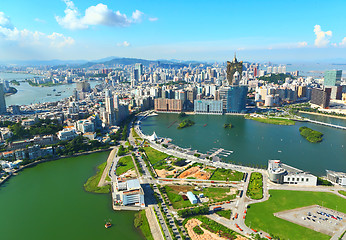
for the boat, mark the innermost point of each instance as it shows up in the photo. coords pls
(54, 90)
(205, 125)
(108, 224)
(57, 94)
(48, 94)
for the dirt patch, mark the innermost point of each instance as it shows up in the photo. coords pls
(195, 172)
(164, 173)
(129, 174)
(205, 236)
(181, 188)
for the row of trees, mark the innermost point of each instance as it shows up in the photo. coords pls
(193, 211)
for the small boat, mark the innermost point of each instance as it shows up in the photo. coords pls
(205, 125)
(54, 90)
(57, 94)
(48, 94)
(108, 224)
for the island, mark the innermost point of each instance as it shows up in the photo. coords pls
(276, 121)
(15, 82)
(311, 135)
(186, 123)
(228, 125)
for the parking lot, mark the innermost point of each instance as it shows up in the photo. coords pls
(317, 218)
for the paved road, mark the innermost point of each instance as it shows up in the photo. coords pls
(110, 159)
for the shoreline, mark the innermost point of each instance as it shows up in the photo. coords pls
(321, 114)
(14, 173)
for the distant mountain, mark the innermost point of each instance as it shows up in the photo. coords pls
(53, 62)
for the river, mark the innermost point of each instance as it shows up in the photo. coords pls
(48, 202)
(254, 142)
(28, 94)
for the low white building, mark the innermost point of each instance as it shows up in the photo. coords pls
(285, 174)
(67, 134)
(128, 192)
(336, 177)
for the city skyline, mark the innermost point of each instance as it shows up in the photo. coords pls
(258, 31)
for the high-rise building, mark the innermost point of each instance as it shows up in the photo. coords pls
(233, 98)
(233, 67)
(83, 86)
(109, 102)
(138, 71)
(321, 97)
(168, 105)
(2, 99)
(332, 78)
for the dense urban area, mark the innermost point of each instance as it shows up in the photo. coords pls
(181, 193)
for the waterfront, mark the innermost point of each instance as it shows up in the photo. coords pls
(48, 201)
(27, 94)
(321, 118)
(254, 142)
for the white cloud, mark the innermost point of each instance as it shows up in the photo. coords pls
(137, 16)
(343, 42)
(39, 20)
(5, 21)
(302, 44)
(322, 38)
(95, 15)
(123, 44)
(71, 20)
(153, 19)
(23, 38)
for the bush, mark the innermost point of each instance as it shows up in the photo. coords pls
(194, 211)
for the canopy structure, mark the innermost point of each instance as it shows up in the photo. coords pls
(153, 137)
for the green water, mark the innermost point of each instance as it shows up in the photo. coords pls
(254, 142)
(48, 202)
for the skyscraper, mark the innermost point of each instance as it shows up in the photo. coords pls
(110, 114)
(138, 71)
(2, 99)
(332, 78)
(233, 98)
(233, 67)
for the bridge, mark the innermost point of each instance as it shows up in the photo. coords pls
(322, 123)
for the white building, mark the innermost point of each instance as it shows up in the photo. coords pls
(67, 134)
(128, 192)
(336, 177)
(284, 174)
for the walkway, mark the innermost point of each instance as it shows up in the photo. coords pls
(111, 156)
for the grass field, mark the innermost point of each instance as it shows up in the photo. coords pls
(124, 164)
(255, 188)
(342, 192)
(92, 182)
(224, 213)
(227, 175)
(140, 221)
(154, 156)
(276, 121)
(214, 195)
(260, 215)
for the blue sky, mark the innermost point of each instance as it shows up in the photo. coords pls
(187, 30)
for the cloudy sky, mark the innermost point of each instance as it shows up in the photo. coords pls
(258, 30)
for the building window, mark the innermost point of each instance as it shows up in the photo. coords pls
(293, 179)
(307, 179)
(297, 179)
(288, 179)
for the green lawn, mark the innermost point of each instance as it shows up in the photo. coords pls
(124, 164)
(260, 215)
(154, 156)
(214, 194)
(342, 192)
(224, 213)
(227, 175)
(255, 188)
(276, 121)
(145, 228)
(92, 182)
